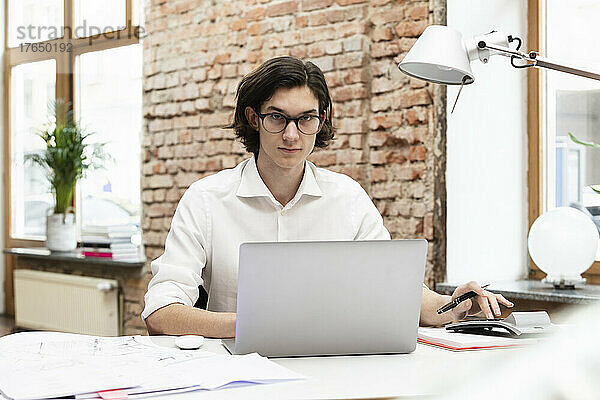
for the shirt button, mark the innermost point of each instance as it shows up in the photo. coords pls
(283, 212)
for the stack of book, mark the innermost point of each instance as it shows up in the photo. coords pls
(113, 242)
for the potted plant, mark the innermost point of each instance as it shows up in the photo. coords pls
(65, 159)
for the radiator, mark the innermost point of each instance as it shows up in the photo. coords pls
(67, 303)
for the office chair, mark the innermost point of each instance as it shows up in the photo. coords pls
(202, 298)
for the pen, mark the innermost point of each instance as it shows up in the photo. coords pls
(458, 300)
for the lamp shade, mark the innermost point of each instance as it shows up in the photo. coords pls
(439, 56)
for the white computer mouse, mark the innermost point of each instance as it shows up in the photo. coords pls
(189, 342)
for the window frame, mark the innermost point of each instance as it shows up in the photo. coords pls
(535, 134)
(65, 84)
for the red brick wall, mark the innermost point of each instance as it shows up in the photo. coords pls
(387, 132)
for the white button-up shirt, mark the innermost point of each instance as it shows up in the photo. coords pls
(219, 212)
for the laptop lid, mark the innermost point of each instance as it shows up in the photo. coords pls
(329, 298)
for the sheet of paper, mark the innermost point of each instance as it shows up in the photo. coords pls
(217, 372)
(221, 370)
(37, 365)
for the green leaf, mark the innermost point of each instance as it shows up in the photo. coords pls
(588, 144)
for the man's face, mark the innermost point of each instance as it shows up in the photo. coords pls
(289, 148)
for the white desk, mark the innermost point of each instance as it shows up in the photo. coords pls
(428, 371)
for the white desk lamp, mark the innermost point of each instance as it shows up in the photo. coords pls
(441, 55)
(562, 242)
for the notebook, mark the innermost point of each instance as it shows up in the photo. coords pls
(449, 340)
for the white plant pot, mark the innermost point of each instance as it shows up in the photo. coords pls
(61, 232)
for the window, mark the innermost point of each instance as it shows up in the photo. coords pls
(30, 191)
(34, 21)
(109, 102)
(561, 172)
(571, 105)
(101, 78)
(95, 17)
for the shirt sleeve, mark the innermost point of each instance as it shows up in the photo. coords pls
(177, 273)
(370, 222)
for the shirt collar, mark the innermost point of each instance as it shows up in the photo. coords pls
(309, 183)
(252, 185)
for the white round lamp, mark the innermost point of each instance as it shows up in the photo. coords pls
(563, 243)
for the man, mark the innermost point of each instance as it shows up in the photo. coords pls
(283, 112)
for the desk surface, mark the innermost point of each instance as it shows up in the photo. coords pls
(427, 371)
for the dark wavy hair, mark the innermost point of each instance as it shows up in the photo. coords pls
(260, 85)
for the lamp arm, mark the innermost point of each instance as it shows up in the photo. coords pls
(505, 51)
(535, 61)
(545, 63)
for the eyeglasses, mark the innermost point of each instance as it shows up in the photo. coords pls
(308, 124)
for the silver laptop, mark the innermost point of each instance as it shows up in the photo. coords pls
(328, 298)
